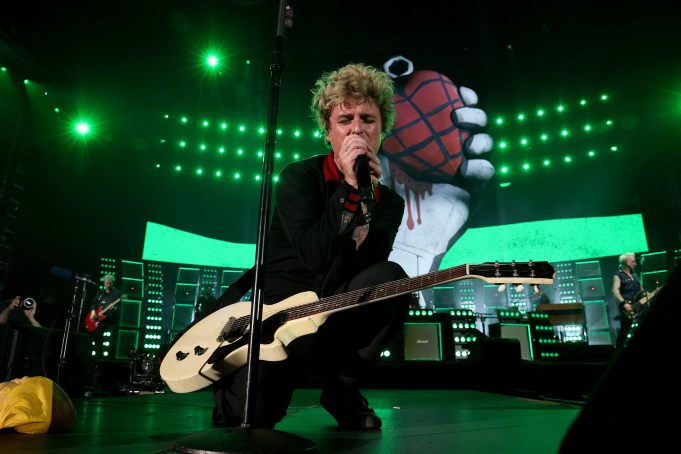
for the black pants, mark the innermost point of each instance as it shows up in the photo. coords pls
(346, 345)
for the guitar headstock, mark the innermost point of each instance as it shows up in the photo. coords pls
(514, 272)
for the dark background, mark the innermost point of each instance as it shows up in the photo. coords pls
(132, 62)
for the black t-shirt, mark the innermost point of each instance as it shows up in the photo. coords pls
(102, 300)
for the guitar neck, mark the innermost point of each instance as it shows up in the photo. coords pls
(109, 306)
(532, 273)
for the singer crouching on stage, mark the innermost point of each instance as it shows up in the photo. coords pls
(331, 232)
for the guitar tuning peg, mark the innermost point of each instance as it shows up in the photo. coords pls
(501, 288)
(519, 288)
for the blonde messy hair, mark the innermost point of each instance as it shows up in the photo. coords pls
(357, 82)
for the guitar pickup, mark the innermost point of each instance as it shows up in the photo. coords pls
(198, 351)
(181, 355)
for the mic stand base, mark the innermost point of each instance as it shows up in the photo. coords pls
(243, 440)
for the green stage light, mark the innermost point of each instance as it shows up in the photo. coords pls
(212, 61)
(82, 128)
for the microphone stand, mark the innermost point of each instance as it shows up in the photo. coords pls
(83, 296)
(246, 439)
(67, 328)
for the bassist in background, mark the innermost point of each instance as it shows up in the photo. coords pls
(105, 296)
(628, 290)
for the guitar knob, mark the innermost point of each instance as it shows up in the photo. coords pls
(181, 355)
(198, 351)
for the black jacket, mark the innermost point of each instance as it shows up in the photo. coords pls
(306, 240)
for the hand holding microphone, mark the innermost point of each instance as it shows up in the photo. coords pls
(362, 168)
(364, 183)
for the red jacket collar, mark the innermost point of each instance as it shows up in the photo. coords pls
(331, 173)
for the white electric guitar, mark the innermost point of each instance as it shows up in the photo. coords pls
(217, 345)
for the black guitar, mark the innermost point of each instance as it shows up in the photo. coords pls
(639, 304)
(217, 345)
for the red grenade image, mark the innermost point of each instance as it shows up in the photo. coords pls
(425, 142)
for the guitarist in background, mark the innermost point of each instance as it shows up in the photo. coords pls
(105, 296)
(629, 293)
(327, 237)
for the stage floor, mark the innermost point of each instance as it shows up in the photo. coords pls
(414, 420)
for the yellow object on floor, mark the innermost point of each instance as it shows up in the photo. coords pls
(35, 405)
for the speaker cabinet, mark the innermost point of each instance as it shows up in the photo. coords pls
(518, 331)
(422, 342)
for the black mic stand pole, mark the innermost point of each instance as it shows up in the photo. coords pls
(246, 439)
(67, 328)
(83, 297)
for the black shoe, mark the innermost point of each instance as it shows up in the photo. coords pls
(350, 409)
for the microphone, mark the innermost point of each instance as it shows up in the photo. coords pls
(62, 273)
(364, 184)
